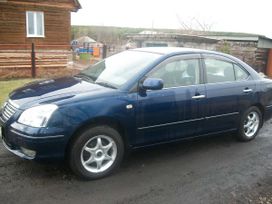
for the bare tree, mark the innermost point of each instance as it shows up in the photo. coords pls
(194, 25)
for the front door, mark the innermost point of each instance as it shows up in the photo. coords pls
(175, 111)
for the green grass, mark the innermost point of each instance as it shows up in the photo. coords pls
(7, 86)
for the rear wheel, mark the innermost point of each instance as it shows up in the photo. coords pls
(96, 152)
(250, 124)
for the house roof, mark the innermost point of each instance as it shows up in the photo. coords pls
(72, 5)
(77, 5)
(85, 39)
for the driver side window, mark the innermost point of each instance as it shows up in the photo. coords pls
(178, 73)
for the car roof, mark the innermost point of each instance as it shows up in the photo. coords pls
(170, 50)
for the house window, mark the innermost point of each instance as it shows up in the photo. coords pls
(35, 24)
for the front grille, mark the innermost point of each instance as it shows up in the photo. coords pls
(8, 110)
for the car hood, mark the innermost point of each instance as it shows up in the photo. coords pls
(53, 90)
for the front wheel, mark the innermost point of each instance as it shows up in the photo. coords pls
(250, 124)
(96, 152)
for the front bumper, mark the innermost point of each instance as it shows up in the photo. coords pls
(17, 152)
(44, 145)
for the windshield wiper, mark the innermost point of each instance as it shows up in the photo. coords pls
(85, 77)
(106, 84)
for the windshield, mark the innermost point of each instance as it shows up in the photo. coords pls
(118, 69)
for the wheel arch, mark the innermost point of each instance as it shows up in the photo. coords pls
(261, 108)
(111, 122)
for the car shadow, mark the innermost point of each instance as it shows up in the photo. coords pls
(135, 161)
(176, 149)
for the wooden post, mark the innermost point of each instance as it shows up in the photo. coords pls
(104, 51)
(33, 61)
(269, 64)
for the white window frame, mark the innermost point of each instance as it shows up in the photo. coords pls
(35, 35)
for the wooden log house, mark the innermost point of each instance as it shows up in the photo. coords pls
(46, 23)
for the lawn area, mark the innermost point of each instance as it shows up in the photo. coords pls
(7, 86)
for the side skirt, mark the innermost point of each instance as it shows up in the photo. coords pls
(186, 138)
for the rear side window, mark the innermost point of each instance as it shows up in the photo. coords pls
(240, 73)
(219, 71)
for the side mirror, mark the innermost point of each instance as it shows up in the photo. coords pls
(152, 84)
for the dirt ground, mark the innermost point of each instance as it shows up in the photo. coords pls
(217, 169)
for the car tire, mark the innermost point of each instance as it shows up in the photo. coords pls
(250, 123)
(96, 152)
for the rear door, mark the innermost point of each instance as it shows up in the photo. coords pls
(226, 93)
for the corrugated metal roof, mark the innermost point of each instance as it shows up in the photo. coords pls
(235, 38)
(263, 42)
(176, 36)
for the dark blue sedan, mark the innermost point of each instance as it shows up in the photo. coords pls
(134, 99)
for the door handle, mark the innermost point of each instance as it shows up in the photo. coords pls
(198, 97)
(247, 90)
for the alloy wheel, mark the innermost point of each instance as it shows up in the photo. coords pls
(98, 154)
(251, 124)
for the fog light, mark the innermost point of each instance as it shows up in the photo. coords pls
(28, 152)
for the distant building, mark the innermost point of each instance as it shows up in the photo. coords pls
(46, 23)
(172, 40)
(253, 49)
(84, 41)
(148, 32)
(256, 50)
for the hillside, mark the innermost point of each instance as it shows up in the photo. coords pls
(110, 35)
(117, 35)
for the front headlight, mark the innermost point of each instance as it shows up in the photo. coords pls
(37, 116)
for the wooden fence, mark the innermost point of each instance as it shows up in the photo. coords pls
(33, 61)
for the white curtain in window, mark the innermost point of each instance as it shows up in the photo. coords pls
(39, 23)
(30, 22)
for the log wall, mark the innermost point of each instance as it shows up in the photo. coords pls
(52, 51)
(13, 27)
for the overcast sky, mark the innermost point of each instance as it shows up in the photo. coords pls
(250, 16)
